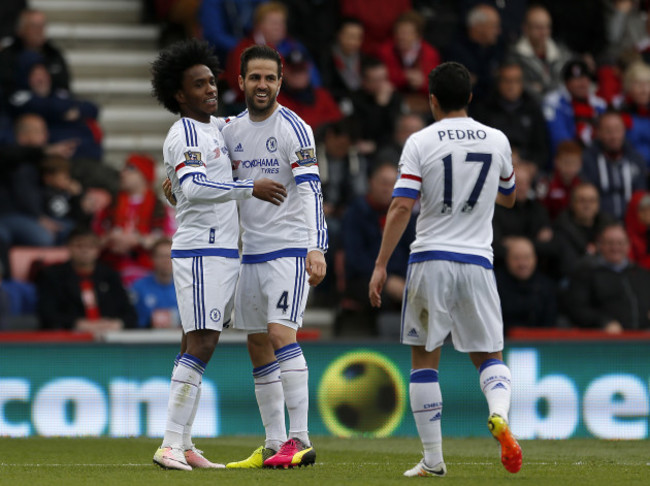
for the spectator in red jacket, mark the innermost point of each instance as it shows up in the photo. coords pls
(567, 166)
(637, 225)
(315, 106)
(136, 220)
(378, 18)
(409, 59)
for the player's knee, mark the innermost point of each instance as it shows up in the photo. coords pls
(281, 339)
(202, 346)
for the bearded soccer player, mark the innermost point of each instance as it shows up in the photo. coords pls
(283, 254)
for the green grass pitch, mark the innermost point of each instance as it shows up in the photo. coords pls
(100, 461)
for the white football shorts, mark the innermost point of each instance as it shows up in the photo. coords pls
(443, 297)
(205, 288)
(272, 291)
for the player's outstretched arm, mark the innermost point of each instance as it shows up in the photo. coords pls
(399, 215)
(269, 190)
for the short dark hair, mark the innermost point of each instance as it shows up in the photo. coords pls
(259, 52)
(414, 18)
(370, 62)
(450, 83)
(349, 21)
(170, 66)
(381, 165)
(509, 62)
(81, 231)
(607, 226)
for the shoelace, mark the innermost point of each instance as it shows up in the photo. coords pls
(288, 445)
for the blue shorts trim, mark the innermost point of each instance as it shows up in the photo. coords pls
(220, 252)
(451, 256)
(274, 255)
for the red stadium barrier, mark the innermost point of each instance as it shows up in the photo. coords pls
(573, 334)
(45, 337)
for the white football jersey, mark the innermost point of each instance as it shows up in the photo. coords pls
(281, 148)
(456, 165)
(197, 163)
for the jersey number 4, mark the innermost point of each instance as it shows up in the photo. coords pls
(468, 206)
(283, 302)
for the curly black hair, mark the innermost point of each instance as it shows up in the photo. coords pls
(170, 65)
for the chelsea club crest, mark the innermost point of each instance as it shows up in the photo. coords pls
(215, 315)
(271, 144)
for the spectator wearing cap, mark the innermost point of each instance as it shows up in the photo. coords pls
(129, 228)
(571, 111)
(315, 105)
(613, 166)
(30, 38)
(541, 58)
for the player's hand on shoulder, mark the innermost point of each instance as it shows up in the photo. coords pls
(167, 191)
(376, 285)
(316, 267)
(269, 190)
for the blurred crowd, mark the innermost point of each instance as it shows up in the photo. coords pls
(572, 96)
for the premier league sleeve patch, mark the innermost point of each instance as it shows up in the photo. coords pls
(193, 159)
(306, 158)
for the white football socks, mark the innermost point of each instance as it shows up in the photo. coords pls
(426, 405)
(295, 375)
(494, 377)
(187, 430)
(270, 400)
(183, 394)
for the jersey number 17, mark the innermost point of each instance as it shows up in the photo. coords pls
(468, 206)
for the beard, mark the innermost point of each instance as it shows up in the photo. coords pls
(257, 109)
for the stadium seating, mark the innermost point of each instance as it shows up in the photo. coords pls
(26, 260)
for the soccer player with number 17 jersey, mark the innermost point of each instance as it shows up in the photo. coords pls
(459, 168)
